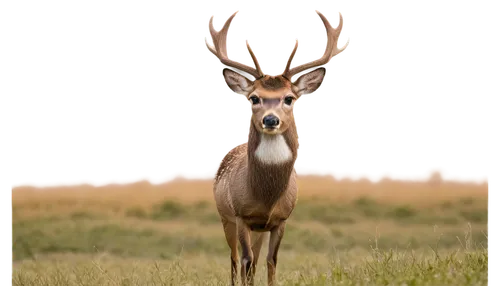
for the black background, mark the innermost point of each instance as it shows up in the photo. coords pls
(110, 89)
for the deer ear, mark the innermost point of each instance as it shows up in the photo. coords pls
(309, 82)
(237, 82)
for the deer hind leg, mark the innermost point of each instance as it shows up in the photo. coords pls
(257, 239)
(232, 241)
(272, 256)
(247, 257)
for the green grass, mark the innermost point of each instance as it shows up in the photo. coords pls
(378, 268)
(168, 210)
(462, 211)
(362, 242)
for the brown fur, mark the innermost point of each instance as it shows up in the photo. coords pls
(254, 191)
(255, 197)
(252, 196)
(273, 82)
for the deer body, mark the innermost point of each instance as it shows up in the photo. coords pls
(255, 188)
(259, 209)
(262, 193)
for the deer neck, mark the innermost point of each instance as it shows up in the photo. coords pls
(270, 162)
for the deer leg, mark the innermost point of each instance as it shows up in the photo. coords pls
(257, 239)
(246, 252)
(272, 256)
(232, 241)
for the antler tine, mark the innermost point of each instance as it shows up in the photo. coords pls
(330, 51)
(219, 49)
(256, 63)
(285, 73)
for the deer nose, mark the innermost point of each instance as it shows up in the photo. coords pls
(271, 121)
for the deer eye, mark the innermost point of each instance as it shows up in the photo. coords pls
(288, 100)
(255, 99)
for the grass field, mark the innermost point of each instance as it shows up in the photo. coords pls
(342, 232)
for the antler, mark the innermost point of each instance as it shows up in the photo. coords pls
(331, 49)
(220, 51)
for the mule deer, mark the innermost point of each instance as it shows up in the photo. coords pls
(255, 188)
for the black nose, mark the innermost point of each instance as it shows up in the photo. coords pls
(271, 121)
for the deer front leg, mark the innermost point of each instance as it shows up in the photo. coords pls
(272, 256)
(257, 239)
(232, 241)
(246, 252)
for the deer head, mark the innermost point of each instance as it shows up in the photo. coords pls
(272, 97)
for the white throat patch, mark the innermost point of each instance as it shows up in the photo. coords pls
(273, 149)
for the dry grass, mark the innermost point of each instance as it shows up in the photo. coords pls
(341, 232)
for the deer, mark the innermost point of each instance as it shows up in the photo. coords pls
(255, 187)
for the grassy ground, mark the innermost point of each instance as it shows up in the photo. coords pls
(342, 232)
